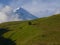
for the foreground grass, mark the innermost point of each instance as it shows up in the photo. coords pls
(44, 31)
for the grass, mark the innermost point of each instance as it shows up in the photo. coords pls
(43, 31)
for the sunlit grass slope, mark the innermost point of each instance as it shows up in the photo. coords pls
(43, 31)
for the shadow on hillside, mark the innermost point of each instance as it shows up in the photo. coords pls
(5, 41)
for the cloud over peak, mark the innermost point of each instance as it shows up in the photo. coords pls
(39, 8)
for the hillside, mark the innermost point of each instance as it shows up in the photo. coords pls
(43, 31)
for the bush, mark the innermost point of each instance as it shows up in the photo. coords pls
(30, 23)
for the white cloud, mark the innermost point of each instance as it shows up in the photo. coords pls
(3, 17)
(6, 9)
(57, 11)
(15, 18)
(6, 14)
(41, 9)
(3, 13)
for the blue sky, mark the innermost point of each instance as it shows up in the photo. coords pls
(39, 8)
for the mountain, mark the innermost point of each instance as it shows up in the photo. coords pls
(43, 31)
(24, 15)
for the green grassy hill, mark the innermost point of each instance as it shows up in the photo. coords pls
(43, 31)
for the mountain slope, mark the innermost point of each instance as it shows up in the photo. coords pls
(43, 31)
(24, 15)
